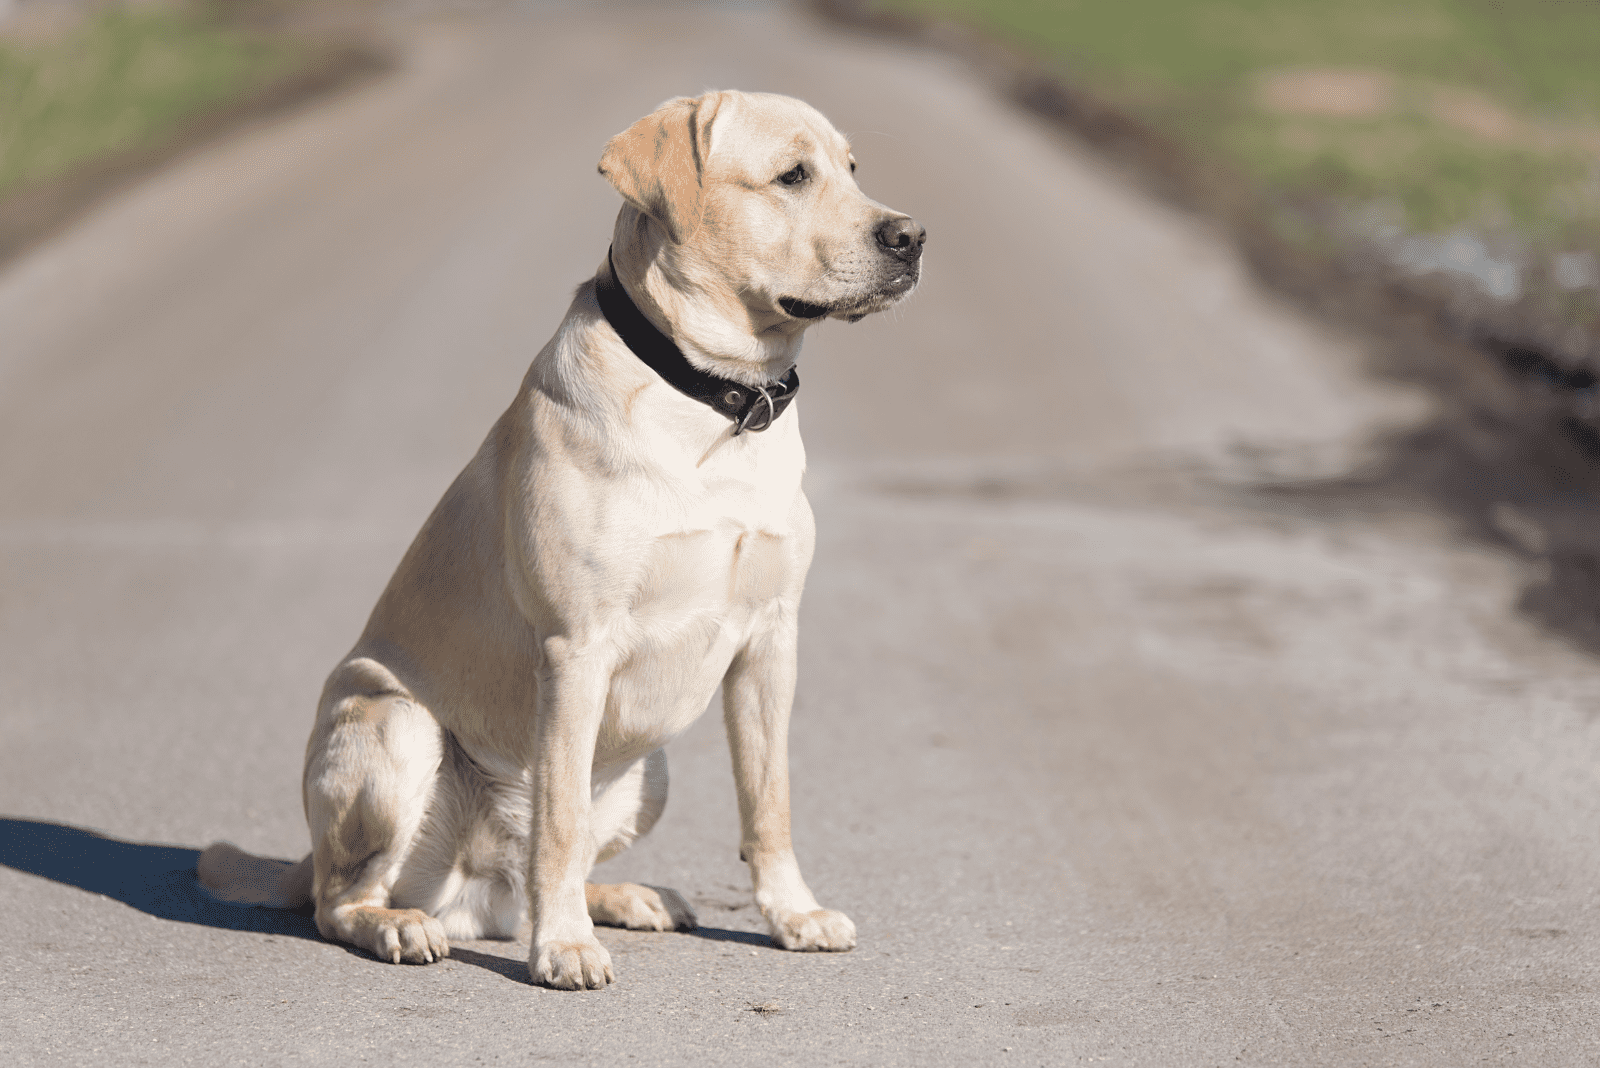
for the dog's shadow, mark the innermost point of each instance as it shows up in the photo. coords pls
(157, 880)
(160, 881)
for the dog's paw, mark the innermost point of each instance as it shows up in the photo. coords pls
(570, 965)
(641, 908)
(824, 930)
(409, 935)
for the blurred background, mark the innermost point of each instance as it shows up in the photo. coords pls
(1437, 116)
(1198, 663)
(1450, 146)
(1452, 137)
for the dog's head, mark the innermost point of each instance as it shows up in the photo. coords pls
(744, 225)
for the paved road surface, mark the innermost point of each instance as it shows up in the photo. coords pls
(1110, 761)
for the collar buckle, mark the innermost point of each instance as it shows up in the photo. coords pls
(746, 419)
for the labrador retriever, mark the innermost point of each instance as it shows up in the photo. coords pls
(631, 535)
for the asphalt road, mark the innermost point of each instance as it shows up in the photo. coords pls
(1111, 757)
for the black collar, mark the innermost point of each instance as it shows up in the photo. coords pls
(751, 408)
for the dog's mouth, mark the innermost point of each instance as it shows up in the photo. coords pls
(800, 309)
(887, 294)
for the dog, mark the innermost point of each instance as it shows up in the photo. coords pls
(631, 535)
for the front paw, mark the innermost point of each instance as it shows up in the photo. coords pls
(408, 935)
(824, 930)
(570, 965)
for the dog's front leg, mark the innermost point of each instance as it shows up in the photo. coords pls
(757, 695)
(565, 953)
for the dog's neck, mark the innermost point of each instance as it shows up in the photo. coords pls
(695, 307)
(749, 408)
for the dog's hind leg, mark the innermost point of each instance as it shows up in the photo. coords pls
(625, 808)
(641, 908)
(371, 768)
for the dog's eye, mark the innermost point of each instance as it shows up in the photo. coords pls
(852, 166)
(793, 176)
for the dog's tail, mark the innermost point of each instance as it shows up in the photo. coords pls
(231, 874)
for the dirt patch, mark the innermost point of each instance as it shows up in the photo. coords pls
(1475, 114)
(1369, 94)
(1339, 93)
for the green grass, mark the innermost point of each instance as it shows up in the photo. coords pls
(1193, 68)
(125, 79)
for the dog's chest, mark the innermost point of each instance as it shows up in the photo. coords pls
(701, 593)
(719, 573)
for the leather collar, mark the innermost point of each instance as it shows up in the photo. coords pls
(752, 408)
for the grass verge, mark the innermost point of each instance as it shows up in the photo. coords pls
(128, 88)
(1463, 112)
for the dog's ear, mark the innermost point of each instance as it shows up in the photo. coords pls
(658, 163)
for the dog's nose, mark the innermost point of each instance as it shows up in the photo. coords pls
(902, 237)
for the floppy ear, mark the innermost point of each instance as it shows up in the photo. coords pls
(657, 163)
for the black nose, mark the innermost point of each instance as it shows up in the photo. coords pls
(902, 237)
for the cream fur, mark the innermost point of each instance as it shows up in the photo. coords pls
(609, 557)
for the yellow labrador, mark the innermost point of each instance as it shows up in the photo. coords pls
(631, 535)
